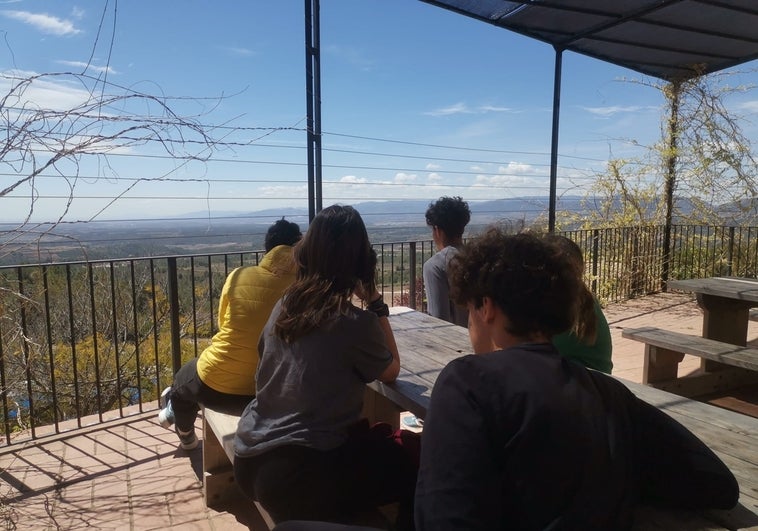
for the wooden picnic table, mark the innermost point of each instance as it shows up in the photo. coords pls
(427, 344)
(726, 303)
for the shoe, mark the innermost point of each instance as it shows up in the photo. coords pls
(412, 421)
(166, 415)
(187, 440)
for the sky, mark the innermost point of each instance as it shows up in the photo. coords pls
(417, 102)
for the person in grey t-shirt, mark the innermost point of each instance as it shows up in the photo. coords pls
(448, 217)
(301, 448)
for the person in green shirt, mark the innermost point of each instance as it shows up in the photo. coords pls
(589, 341)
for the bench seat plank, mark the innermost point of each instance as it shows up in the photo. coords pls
(726, 353)
(219, 485)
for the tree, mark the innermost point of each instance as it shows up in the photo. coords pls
(87, 356)
(103, 119)
(703, 164)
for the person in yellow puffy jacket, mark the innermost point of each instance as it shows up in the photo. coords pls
(223, 376)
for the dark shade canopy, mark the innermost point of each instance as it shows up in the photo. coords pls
(669, 39)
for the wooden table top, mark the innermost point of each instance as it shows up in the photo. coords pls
(427, 344)
(745, 289)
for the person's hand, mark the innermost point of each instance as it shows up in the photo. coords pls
(366, 293)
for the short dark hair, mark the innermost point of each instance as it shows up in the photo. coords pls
(282, 232)
(535, 286)
(451, 214)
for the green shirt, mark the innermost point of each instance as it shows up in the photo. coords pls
(595, 356)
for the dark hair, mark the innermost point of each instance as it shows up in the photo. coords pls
(585, 326)
(333, 257)
(535, 287)
(282, 232)
(451, 214)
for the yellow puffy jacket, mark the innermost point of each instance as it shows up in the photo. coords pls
(229, 363)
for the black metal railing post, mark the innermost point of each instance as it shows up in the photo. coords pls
(411, 275)
(173, 303)
(595, 252)
(730, 252)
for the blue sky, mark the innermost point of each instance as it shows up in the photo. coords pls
(417, 102)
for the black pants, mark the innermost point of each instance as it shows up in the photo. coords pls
(188, 392)
(371, 469)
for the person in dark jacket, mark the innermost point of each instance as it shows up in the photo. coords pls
(518, 437)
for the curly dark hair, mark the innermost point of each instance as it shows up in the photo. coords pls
(451, 214)
(535, 286)
(332, 259)
(282, 232)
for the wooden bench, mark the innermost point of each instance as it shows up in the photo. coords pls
(665, 349)
(219, 486)
(753, 314)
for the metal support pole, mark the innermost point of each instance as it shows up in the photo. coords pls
(313, 104)
(670, 159)
(554, 140)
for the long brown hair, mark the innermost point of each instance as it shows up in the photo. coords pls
(333, 257)
(585, 326)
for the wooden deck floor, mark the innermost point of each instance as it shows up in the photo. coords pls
(130, 474)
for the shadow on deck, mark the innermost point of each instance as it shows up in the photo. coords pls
(130, 474)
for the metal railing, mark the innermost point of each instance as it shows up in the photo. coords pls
(86, 338)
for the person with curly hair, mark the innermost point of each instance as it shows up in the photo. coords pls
(518, 437)
(448, 217)
(301, 448)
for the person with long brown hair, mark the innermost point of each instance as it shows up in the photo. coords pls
(302, 449)
(589, 340)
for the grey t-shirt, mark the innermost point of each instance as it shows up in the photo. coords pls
(310, 391)
(438, 301)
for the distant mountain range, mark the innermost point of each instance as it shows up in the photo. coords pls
(207, 232)
(400, 212)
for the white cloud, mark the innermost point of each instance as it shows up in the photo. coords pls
(503, 180)
(404, 178)
(462, 108)
(84, 66)
(493, 108)
(456, 108)
(749, 106)
(236, 50)
(283, 191)
(434, 177)
(43, 22)
(352, 179)
(42, 92)
(606, 112)
(432, 166)
(77, 12)
(516, 168)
